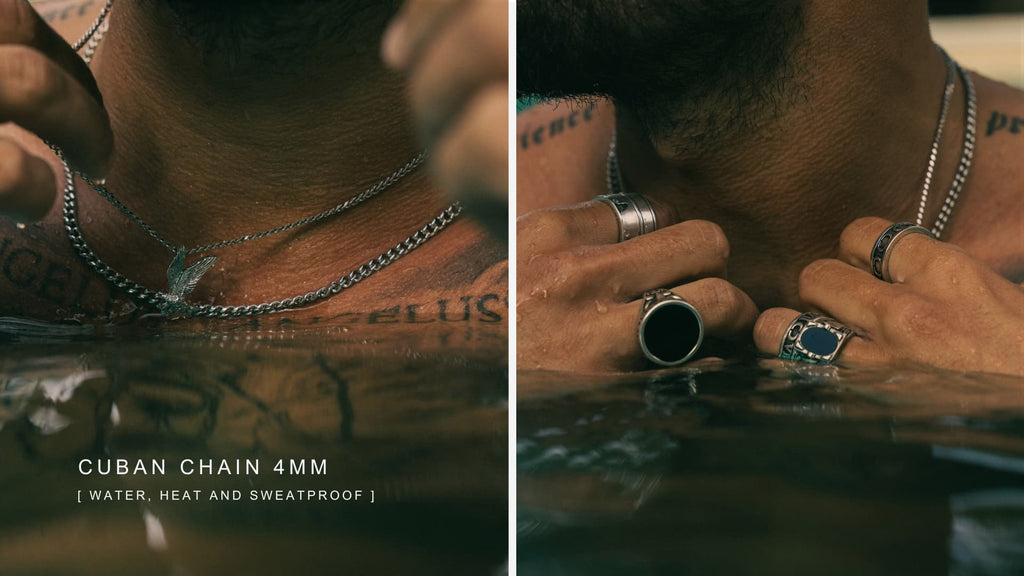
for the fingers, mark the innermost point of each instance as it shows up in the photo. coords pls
(471, 160)
(843, 291)
(727, 311)
(471, 52)
(456, 55)
(674, 255)
(412, 28)
(40, 96)
(46, 88)
(588, 223)
(772, 325)
(610, 334)
(555, 229)
(20, 24)
(683, 252)
(27, 186)
(908, 258)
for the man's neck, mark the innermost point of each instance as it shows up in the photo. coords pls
(853, 143)
(218, 148)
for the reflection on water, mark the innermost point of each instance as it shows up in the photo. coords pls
(771, 468)
(420, 430)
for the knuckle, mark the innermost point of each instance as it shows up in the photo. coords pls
(700, 237)
(540, 228)
(550, 275)
(721, 296)
(912, 318)
(712, 236)
(866, 225)
(28, 81)
(811, 274)
(769, 328)
(948, 262)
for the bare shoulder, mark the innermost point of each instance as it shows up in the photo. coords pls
(992, 208)
(560, 153)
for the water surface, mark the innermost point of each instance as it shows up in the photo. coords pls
(765, 467)
(419, 422)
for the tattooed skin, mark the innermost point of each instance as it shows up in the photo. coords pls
(1000, 122)
(533, 136)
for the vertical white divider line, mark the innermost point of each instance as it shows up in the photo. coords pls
(512, 287)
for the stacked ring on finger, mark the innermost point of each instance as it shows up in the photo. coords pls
(882, 251)
(670, 329)
(633, 212)
(813, 338)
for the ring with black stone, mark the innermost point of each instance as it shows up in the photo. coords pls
(670, 329)
(633, 213)
(814, 338)
(887, 241)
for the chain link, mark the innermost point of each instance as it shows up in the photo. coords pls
(933, 154)
(370, 192)
(966, 156)
(163, 303)
(614, 180)
(100, 21)
(169, 307)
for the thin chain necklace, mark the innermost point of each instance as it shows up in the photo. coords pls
(182, 280)
(616, 185)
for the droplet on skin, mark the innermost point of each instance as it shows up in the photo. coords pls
(601, 308)
(20, 225)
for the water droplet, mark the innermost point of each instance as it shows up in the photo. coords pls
(601, 308)
(20, 225)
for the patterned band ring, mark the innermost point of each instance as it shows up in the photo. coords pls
(814, 338)
(882, 251)
(633, 212)
(670, 329)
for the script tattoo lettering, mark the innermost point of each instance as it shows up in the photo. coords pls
(537, 135)
(999, 121)
(466, 310)
(66, 11)
(30, 271)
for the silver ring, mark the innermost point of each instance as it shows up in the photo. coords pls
(814, 338)
(882, 251)
(670, 329)
(633, 212)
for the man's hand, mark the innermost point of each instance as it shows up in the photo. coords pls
(580, 291)
(944, 308)
(47, 89)
(456, 55)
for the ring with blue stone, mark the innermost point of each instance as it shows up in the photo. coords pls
(670, 329)
(887, 240)
(814, 338)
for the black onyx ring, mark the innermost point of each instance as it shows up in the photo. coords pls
(670, 329)
(814, 338)
(886, 242)
(633, 212)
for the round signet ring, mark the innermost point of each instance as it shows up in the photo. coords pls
(633, 212)
(887, 240)
(814, 338)
(670, 329)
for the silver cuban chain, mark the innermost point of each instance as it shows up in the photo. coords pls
(182, 280)
(616, 184)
